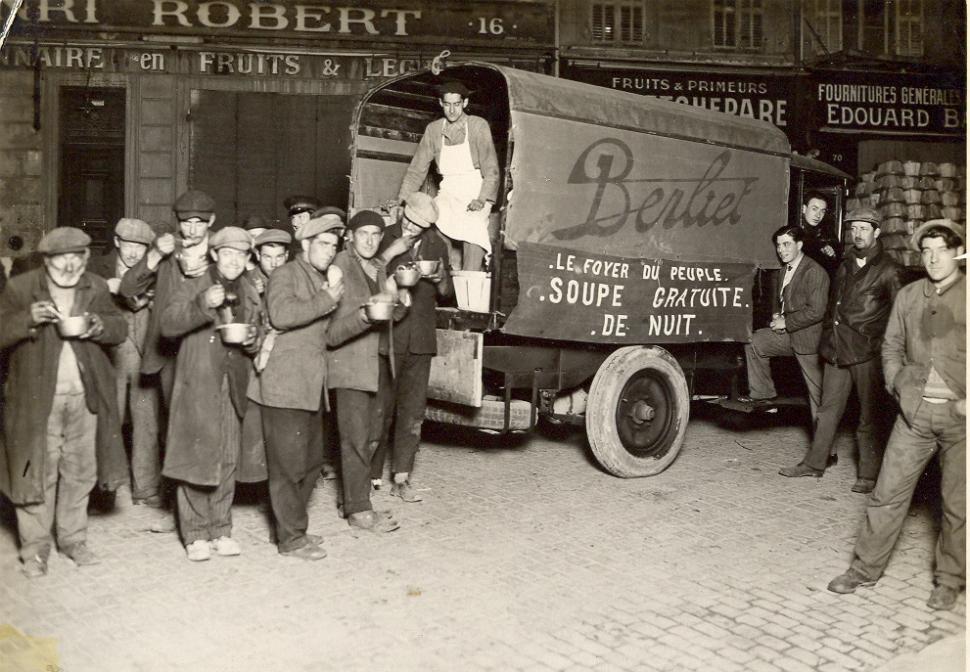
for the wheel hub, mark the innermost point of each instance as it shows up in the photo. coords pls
(641, 412)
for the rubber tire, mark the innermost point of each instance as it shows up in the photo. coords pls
(604, 396)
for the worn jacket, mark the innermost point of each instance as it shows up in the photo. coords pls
(924, 329)
(353, 342)
(859, 307)
(429, 149)
(815, 240)
(193, 448)
(415, 333)
(299, 307)
(137, 312)
(34, 352)
(167, 278)
(805, 299)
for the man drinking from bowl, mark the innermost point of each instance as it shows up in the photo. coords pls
(61, 429)
(214, 315)
(412, 242)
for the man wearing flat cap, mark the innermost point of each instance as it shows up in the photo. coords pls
(271, 249)
(165, 272)
(409, 242)
(291, 387)
(359, 363)
(924, 359)
(62, 434)
(863, 292)
(461, 146)
(204, 447)
(136, 393)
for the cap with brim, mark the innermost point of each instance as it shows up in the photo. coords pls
(194, 203)
(62, 240)
(273, 236)
(323, 224)
(421, 209)
(864, 215)
(329, 210)
(453, 86)
(254, 222)
(296, 204)
(365, 218)
(134, 231)
(933, 223)
(231, 236)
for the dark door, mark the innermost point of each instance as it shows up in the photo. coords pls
(249, 151)
(92, 181)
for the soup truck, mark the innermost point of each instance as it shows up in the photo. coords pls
(631, 254)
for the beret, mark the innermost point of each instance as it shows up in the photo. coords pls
(64, 239)
(453, 86)
(318, 225)
(933, 223)
(254, 222)
(864, 215)
(134, 231)
(273, 236)
(365, 218)
(297, 204)
(194, 203)
(231, 236)
(421, 209)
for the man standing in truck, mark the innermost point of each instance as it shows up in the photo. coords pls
(818, 244)
(461, 146)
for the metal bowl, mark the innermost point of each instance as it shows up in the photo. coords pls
(378, 311)
(428, 266)
(234, 332)
(407, 276)
(73, 326)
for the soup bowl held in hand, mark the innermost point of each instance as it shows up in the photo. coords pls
(235, 332)
(73, 326)
(378, 310)
(407, 275)
(428, 266)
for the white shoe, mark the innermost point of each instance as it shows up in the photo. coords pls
(198, 550)
(226, 546)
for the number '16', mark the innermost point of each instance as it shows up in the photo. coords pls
(488, 26)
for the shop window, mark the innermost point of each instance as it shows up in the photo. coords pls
(738, 24)
(892, 28)
(825, 23)
(617, 22)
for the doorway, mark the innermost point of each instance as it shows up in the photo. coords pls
(91, 192)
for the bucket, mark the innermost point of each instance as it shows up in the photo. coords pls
(472, 290)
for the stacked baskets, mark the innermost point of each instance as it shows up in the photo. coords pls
(908, 193)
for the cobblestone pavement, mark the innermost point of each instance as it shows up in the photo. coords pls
(524, 556)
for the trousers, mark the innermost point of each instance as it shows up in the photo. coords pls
(403, 412)
(934, 428)
(140, 397)
(766, 344)
(70, 473)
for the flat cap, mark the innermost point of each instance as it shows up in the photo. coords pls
(134, 231)
(64, 239)
(194, 203)
(322, 224)
(296, 204)
(365, 218)
(231, 236)
(453, 86)
(933, 223)
(329, 210)
(254, 222)
(864, 215)
(421, 209)
(273, 236)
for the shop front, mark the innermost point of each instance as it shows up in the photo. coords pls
(903, 135)
(113, 108)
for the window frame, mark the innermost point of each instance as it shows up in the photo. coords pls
(631, 32)
(732, 15)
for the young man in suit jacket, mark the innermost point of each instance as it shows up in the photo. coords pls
(797, 328)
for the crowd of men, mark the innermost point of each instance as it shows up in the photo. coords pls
(861, 329)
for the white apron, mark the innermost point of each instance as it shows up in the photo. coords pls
(461, 183)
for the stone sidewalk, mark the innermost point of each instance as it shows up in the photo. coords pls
(524, 556)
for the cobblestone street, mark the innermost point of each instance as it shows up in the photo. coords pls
(523, 556)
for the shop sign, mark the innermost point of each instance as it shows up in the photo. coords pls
(494, 21)
(878, 103)
(753, 96)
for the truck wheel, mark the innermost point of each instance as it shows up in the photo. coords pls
(637, 412)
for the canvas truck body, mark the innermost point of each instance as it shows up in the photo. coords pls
(631, 241)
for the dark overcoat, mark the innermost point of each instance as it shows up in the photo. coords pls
(34, 352)
(193, 448)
